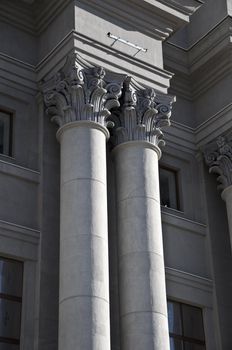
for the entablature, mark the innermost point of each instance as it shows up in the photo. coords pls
(156, 18)
(159, 18)
(203, 64)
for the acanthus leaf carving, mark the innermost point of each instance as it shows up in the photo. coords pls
(142, 114)
(80, 91)
(218, 156)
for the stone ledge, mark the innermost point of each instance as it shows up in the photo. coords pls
(17, 74)
(183, 223)
(188, 287)
(23, 233)
(19, 171)
(18, 241)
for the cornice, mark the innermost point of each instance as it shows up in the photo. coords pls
(202, 65)
(212, 44)
(199, 40)
(191, 86)
(212, 128)
(187, 7)
(46, 11)
(168, 9)
(157, 19)
(19, 15)
(211, 73)
(175, 57)
(135, 16)
(31, 17)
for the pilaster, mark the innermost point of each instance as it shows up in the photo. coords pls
(218, 157)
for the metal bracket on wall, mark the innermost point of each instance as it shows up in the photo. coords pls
(118, 39)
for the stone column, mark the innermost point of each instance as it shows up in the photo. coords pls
(78, 99)
(218, 156)
(227, 197)
(143, 304)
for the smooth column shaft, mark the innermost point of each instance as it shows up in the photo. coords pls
(84, 286)
(227, 197)
(143, 305)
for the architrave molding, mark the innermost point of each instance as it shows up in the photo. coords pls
(100, 55)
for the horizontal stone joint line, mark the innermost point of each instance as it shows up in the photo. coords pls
(88, 235)
(85, 179)
(139, 252)
(82, 296)
(134, 197)
(143, 312)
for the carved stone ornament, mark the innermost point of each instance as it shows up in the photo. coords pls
(80, 91)
(218, 157)
(142, 114)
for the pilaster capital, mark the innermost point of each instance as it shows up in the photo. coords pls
(79, 91)
(218, 156)
(142, 115)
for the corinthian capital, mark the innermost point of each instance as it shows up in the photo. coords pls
(218, 156)
(142, 114)
(80, 91)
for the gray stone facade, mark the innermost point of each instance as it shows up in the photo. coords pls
(100, 94)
